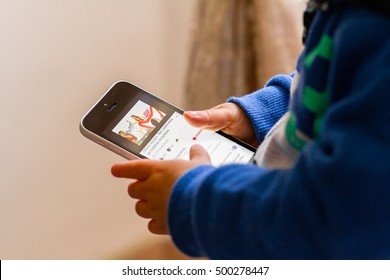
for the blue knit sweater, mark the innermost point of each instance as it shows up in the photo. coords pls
(334, 202)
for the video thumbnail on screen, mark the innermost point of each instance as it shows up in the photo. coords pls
(139, 122)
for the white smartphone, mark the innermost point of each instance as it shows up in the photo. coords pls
(136, 124)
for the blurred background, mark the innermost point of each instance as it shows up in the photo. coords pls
(58, 199)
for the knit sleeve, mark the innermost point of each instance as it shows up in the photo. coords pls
(333, 203)
(267, 105)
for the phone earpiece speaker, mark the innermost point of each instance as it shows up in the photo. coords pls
(112, 107)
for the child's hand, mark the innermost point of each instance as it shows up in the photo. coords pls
(154, 181)
(228, 117)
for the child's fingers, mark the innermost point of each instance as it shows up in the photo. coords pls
(214, 119)
(134, 169)
(198, 153)
(157, 227)
(197, 118)
(139, 190)
(143, 210)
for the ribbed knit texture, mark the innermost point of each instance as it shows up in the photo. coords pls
(268, 104)
(333, 203)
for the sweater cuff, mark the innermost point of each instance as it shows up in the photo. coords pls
(180, 210)
(267, 105)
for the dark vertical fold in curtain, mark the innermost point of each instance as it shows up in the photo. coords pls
(238, 45)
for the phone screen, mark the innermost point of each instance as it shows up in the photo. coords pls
(165, 135)
(149, 127)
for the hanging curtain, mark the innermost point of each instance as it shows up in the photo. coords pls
(238, 45)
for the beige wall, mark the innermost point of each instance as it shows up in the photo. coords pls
(57, 197)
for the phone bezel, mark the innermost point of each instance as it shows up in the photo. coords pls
(98, 121)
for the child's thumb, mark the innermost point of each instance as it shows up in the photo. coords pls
(198, 153)
(197, 118)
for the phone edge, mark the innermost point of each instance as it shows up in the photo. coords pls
(100, 140)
